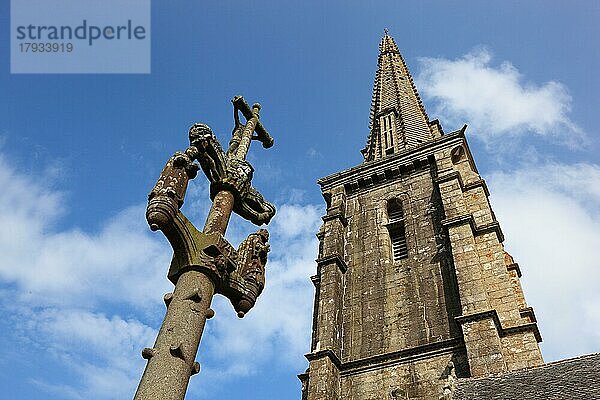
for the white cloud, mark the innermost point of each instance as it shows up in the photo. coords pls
(295, 220)
(101, 336)
(53, 282)
(69, 289)
(495, 100)
(105, 352)
(550, 215)
(121, 263)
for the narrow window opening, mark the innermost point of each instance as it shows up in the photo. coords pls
(391, 130)
(387, 124)
(385, 132)
(396, 230)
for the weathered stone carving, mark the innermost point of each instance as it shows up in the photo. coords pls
(211, 252)
(450, 382)
(166, 198)
(253, 258)
(227, 171)
(204, 262)
(210, 154)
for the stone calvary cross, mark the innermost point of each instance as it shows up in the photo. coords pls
(204, 263)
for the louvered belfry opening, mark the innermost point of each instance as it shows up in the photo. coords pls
(396, 229)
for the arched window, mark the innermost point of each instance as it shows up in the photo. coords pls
(396, 229)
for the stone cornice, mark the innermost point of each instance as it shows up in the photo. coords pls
(493, 315)
(378, 171)
(529, 327)
(316, 280)
(397, 357)
(448, 176)
(332, 259)
(402, 356)
(527, 312)
(477, 230)
(303, 376)
(336, 214)
(480, 183)
(324, 353)
(514, 267)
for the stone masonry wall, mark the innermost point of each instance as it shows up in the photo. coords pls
(499, 333)
(323, 375)
(387, 329)
(324, 380)
(422, 379)
(393, 305)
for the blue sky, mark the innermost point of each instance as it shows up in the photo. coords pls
(81, 276)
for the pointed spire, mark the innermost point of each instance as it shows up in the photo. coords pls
(398, 119)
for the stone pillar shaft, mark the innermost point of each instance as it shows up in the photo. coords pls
(171, 362)
(172, 359)
(219, 214)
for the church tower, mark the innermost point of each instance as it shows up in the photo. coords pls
(413, 287)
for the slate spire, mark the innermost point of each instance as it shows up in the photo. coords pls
(398, 119)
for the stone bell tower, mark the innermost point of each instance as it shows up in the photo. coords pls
(413, 287)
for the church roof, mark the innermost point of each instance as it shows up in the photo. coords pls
(575, 378)
(394, 93)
